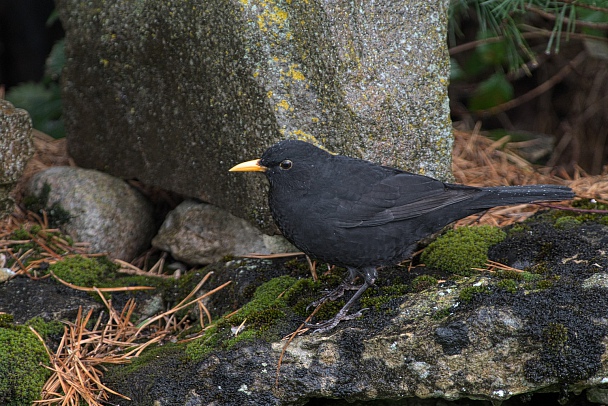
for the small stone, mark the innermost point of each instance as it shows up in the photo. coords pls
(102, 210)
(200, 233)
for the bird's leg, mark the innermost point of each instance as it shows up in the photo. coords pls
(369, 275)
(338, 292)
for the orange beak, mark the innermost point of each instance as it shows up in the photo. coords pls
(249, 166)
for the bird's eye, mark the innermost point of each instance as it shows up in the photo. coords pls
(285, 165)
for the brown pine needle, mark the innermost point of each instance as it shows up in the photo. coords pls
(271, 256)
(93, 289)
(178, 308)
(312, 265)
(493, 266)
(290, 337)
(133, 270)
(76, 375)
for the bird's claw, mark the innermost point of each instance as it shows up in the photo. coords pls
(327, 325)
(333, 295)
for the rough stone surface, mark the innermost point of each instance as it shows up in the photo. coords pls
(495, 344)
(598, 395)
(25, 298)
(103, 211)
(174, 93)
(16, 148)
(200, 233)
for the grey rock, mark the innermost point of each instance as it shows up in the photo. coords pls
(366, 361)
(26, 298)
(6, 274)
(598, 395)
(439, 344)
(103, 211)
(200, 233)
(599, 280)
(152, 85)
(16, 148)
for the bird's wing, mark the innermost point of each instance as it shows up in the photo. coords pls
(398, 197)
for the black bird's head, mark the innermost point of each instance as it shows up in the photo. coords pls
(291, 163)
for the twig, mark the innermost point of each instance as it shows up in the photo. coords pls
(272, 256)
(94, 289)
(290, 338)
(537, 91)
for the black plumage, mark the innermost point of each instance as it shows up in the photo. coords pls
(361, 216)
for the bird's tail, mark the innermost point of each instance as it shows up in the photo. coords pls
(506, 195)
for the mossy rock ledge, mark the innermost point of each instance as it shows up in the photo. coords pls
(504, 337)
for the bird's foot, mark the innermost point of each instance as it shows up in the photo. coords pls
(342, 314)
(327, 325)
(334, 294)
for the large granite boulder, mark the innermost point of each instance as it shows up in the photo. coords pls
(16, 148)
(175, 93)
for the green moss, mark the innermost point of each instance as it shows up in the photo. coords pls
(305, 291)
(270, 295)
(46, 328)
(22, 374)
(545, 284)
(442, 313)
(333, 278)
(513, 275)
(330, 308)
(378, 297)
(20, 234)
(507, 284)
(299, 287)
(257, 316)
(518, 228)
(555, 336)
(265, 317)
(565, 219)
(297, 264)
(153, 353)
(6, 320)
(101, 272)
(202, 346)
(459, 250)
(84, 271)
(467, 293)
(530, 276)
(57, 215)
(589, 204)
(423, 282)
(246, 335)
(35, 229)
(567, 222)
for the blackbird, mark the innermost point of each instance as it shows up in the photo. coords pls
(355, 214)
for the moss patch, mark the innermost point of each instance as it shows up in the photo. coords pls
(52, 328)
(84, 271)
(22, 374)
(57, 215)
(255, 318)
(565, 219)
(423, 282)
(469, 292)
(100, 272)
(459, 250)
(383, 295)
(507, 284)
